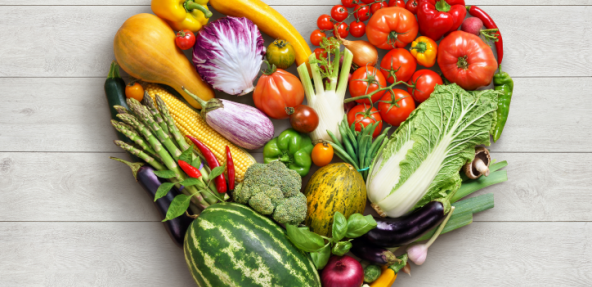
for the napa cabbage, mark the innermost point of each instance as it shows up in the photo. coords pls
(421, 160)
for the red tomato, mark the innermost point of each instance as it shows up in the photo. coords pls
(412, 6)
(342, 30)
(320, 53)
(316, 37)
(397, 3)
(392, 27)
(399, 60)
(357, 29)
(367, 1)
(365, 115)
(466, 60)
(185, 39)
(324, 22)
(339, 13)
(364, 81)
(304, 119)
(377, 6)
(277, 91)
(425, 82)
(349, 3)
(362, 12)
(396, 111)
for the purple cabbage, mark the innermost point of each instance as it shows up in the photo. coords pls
(228, 54)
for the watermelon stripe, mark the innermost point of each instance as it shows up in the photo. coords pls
(194, 269)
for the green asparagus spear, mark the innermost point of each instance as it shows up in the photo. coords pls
(149, 103)
(131, 134)
(139, 153)
(164, 111)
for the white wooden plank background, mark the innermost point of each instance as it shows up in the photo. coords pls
(69, 216)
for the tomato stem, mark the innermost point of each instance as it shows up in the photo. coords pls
(462, 62)
(271, 68)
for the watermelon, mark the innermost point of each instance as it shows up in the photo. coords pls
(229, 244)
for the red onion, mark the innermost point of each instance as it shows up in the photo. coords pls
(342, 271)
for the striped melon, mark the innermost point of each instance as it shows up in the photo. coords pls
(231, 245)
(334, 187)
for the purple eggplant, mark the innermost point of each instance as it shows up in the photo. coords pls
(150, 182)
(394, 232)
(366, 251)
(243, 125)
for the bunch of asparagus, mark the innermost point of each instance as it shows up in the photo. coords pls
(159, 143)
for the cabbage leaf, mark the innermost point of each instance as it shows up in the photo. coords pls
(421, 160)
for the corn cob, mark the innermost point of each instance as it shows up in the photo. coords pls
(191, 123)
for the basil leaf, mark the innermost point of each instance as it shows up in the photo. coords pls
(304, 239)
(341, 248)
(358, 225)
(163, 190)
(192, 182)
(165, 173)
(339, 226)
(178, 207)
(217, 171)
(321, 257)
(186, 156)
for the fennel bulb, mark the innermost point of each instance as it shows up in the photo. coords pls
(422, 159)
(327, 99)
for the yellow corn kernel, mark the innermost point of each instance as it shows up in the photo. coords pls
(191, 123)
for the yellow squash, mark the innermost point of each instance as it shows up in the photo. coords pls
(145, 48)
(334, 187)
(270, 21)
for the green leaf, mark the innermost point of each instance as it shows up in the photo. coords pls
(192, 182)
(165, 173)
(186, 156)
(217, 171)
(304, 239)
(341, 248)
(358, 225)
(178, 207)
(321, 257)
(196, 162)
(163, 190)
(339, 226)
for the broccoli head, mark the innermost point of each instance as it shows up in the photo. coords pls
(273, 189)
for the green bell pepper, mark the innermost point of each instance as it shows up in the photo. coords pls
(292, 148)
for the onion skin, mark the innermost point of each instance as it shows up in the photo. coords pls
(342, 271)
(364, 52)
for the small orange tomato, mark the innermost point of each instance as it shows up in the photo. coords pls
(322, 154)
(134, 90)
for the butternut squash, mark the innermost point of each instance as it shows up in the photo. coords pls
(145, 48)
(270, 21)
(334, 187)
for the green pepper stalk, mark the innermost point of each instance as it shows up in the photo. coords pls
(503, 83)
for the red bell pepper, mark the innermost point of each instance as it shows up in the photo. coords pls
(437, 18)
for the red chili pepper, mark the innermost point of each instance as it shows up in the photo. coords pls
(220, 181)
(489, 24)
(189, 170)
(230, 167)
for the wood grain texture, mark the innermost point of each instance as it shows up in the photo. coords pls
(71, 115)
(288, 3)
(141, 254)
(76, 41)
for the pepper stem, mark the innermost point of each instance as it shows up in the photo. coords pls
(134, 166)
(190, 6)
(442, 6)
(433, 239)
(421, 47)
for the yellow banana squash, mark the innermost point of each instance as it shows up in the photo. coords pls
(270, 21)
(145, 48)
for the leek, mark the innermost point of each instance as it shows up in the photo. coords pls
(327, 99)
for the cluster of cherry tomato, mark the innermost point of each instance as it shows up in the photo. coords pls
(362, 10)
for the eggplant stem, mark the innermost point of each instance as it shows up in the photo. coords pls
(433, 239)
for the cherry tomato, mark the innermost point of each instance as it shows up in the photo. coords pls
(364, 81)
(322, 154)
(362, 12)
(339, 13)
(365, 115)
(398, 3)
(134, 91)
(185, 39)
(324, 22)
(399, 60)
(377, 6)
(316, 37)
(425, 82)
(412, 6)
(349, 3)
(320, 53)
(396, 111)
(357, 29)
(342, 30)
(367, 1)
(303, 118)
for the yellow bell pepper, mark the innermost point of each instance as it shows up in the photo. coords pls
(183, 14)
(389, 273)
(424, 50)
